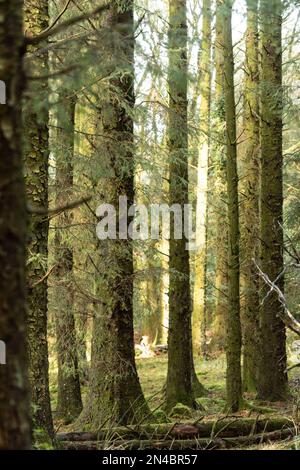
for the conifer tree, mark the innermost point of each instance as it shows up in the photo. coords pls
(36, 117)
(272, 373)
(15, 433)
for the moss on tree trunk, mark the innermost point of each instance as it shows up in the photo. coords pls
(250, 205)
(199, 317)
(233, 325)
(220, 193)
(180, 363)
(36, 177)
(272, 375)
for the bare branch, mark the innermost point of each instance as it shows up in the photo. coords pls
(51, 26)
(288, 319)
(57, 210)
(62, 26)
(48, 273)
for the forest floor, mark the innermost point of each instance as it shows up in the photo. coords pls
(211, 373)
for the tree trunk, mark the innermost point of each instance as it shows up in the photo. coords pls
(272, 375)
(220, 193)
(180, 363)
(69, 404)
(250, 214)
(199, 304)
(36, 177)
(115, 392)
(14, 402)
(233, 325)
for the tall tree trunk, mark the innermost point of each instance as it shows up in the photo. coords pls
(14, 400)
(233, 325)
(272, 375)
(199, 305)
(36, 19)
(115, 392)
(250, 225)
(220, 192)
(69, 404)
(180, 363)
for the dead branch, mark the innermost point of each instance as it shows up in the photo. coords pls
(51, 31)
(42, 279)
(185, 444)
(288, 319)
(57, 210)
(223, 428)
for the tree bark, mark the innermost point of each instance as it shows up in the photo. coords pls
(220, 192)
(36, 19)
(199, 319)
(14, 399)
(180, 363)
(233, 325)
(272, 380)
(250, 205)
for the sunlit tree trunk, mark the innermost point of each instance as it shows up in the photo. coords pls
(233, 325)
(272, 375)
(219, 199)
(14, 401)
(36, 19)
(199, 307)
(250, 206)
(69, 403)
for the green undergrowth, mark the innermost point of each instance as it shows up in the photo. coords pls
(211, 374)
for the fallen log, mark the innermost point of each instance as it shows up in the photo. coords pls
(182, 444)
(226, 427)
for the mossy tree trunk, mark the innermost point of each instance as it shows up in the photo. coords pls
(233, 325)
(250, 222)
(199, 319)
(220, 191)
(115, 392)
(69, 404)
(272, 375)
(181, 374)
(14, 399)
(154, 322)
(36, 118)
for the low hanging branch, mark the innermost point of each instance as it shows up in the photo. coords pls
(57, 210)
(288, 319)
(55, 29)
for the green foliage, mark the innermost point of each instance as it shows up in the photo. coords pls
(181, 411)
(41, 440)
(159, 416)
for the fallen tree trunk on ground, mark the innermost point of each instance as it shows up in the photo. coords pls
(180, 444)
(227, 427)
